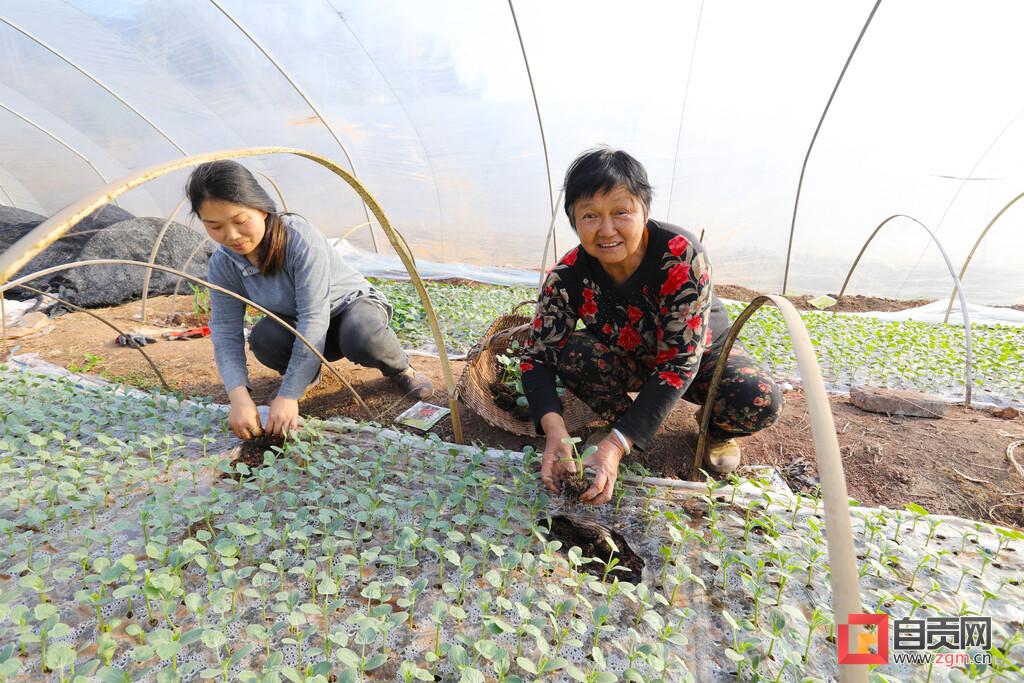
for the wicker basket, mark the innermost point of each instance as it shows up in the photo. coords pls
(481, 373)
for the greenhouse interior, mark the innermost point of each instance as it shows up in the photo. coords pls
(511, 341)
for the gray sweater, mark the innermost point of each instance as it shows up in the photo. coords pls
(314, 284)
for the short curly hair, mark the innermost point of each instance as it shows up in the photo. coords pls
(600, 170)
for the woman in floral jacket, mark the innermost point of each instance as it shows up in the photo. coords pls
(652, 325)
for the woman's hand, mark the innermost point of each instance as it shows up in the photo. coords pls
(284, 415)
(557, 462)
(244, 419)
(605, 463)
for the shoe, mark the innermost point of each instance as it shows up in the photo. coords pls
(413, 383)
(722, 455)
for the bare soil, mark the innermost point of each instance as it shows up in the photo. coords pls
(956, 465)
(850, 303)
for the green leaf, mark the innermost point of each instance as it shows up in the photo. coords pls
(524, 663)
(376, 661)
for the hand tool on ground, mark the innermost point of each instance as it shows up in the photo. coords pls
(192, 333)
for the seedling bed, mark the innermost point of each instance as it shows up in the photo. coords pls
(357, 553)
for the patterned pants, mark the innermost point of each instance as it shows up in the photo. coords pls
(748, 399)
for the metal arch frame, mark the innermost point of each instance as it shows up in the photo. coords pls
(54, 137)
(22, 251)
(977, 243)
(302, 93)
(540, 122)
(842, 555)
(969, 362)
(127, 262)
(408, 116)
(156, 249)
(817, 129)
(94, 79)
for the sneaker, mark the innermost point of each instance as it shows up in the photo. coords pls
(722, 455)
(413, 383)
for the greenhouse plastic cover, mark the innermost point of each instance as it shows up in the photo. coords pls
(430, 105)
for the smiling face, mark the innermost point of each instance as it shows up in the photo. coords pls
(611, 227)
(237, 227)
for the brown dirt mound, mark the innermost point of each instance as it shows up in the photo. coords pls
(850, 303)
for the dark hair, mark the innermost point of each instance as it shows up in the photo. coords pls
(600, 170)
(229, 181)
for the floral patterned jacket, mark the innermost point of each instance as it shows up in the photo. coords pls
(666, 315)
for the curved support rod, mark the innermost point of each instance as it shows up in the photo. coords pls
(10, 199)
(969, 362)
(184, 267)
(22, 251)
(277, 189)
(548, 242)
(817, 129)
(408, 116)
(109, 324)
(356, 227)
(3, 323)
(967, 261)
(301, 93)
(682, 110)
(95, 80)
(125, 262)
(53, 136)
(838, 529)
(540, 122)
(152, 254)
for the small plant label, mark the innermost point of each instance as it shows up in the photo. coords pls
(422, 416)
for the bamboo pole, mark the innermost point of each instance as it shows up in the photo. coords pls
(838, 528)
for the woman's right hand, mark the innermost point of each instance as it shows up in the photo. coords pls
(557, 462)
(244, 419)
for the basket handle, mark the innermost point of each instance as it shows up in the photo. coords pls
(519, 305)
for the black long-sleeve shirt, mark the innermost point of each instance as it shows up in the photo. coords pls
(666, 315)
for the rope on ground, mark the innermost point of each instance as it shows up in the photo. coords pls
(1005, 523)
(1009, 454)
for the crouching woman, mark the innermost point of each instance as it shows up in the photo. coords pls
(281, 262)
(651, 324)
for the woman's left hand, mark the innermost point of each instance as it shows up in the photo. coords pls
(284, 416)
(605, 463)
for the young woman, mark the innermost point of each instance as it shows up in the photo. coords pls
(284, 264)
(652, 325)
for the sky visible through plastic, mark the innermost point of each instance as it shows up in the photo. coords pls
(432, 103)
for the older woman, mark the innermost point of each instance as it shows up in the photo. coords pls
(652, 325)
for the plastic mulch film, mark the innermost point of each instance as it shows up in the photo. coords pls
(138, 545)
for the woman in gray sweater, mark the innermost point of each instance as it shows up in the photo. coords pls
(284, 264)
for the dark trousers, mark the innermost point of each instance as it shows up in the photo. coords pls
(359, 332)
(748, 400)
